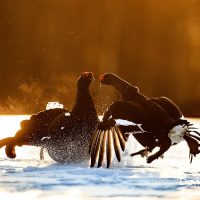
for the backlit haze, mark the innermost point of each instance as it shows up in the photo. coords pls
(45, 45)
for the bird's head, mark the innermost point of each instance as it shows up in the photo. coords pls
(85, 79)
(107, 79)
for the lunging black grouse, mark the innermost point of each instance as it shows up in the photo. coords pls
(61, 132)
(158, 123)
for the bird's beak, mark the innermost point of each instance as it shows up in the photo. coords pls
(101, 78)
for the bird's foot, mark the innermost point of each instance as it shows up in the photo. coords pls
(143, 153)
(151, 158)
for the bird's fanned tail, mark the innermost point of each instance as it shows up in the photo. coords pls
(110, 139)
(102, 148)
(193, 140)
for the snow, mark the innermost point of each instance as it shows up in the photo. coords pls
(44, 138)
(53, 105)
(124, 122)
(67, 114)
(169, 178)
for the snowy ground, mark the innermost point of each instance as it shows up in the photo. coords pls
(28, 177)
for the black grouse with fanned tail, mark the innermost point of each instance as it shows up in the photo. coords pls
(158, 122)
(66, 135)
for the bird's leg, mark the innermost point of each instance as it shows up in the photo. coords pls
(42, 153)
(143, 152)
(165, 144)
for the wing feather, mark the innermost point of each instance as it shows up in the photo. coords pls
(96, 149)
(102, 148)
(109, 150)
(120, 137)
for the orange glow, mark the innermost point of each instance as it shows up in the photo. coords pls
(9, 124)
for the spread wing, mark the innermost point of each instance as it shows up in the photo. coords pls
(31, 131)
(111, 139)
(156, 114)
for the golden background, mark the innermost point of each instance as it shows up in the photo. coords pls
(46, 44)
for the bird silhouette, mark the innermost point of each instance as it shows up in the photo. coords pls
(62, 132)
(158, 122)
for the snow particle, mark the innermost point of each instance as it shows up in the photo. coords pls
(67, 114)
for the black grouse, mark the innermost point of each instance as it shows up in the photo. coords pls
(70, 133)
(61, 132)
(158, 123)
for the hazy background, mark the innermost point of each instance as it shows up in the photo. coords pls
(46, 44)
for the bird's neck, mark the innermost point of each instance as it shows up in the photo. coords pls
(127, 91)
(84, 104)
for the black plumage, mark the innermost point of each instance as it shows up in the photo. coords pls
(159, 118)
(67, 136)
(32, 131)
(70, 136)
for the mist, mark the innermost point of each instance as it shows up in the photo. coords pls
(45, 45)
